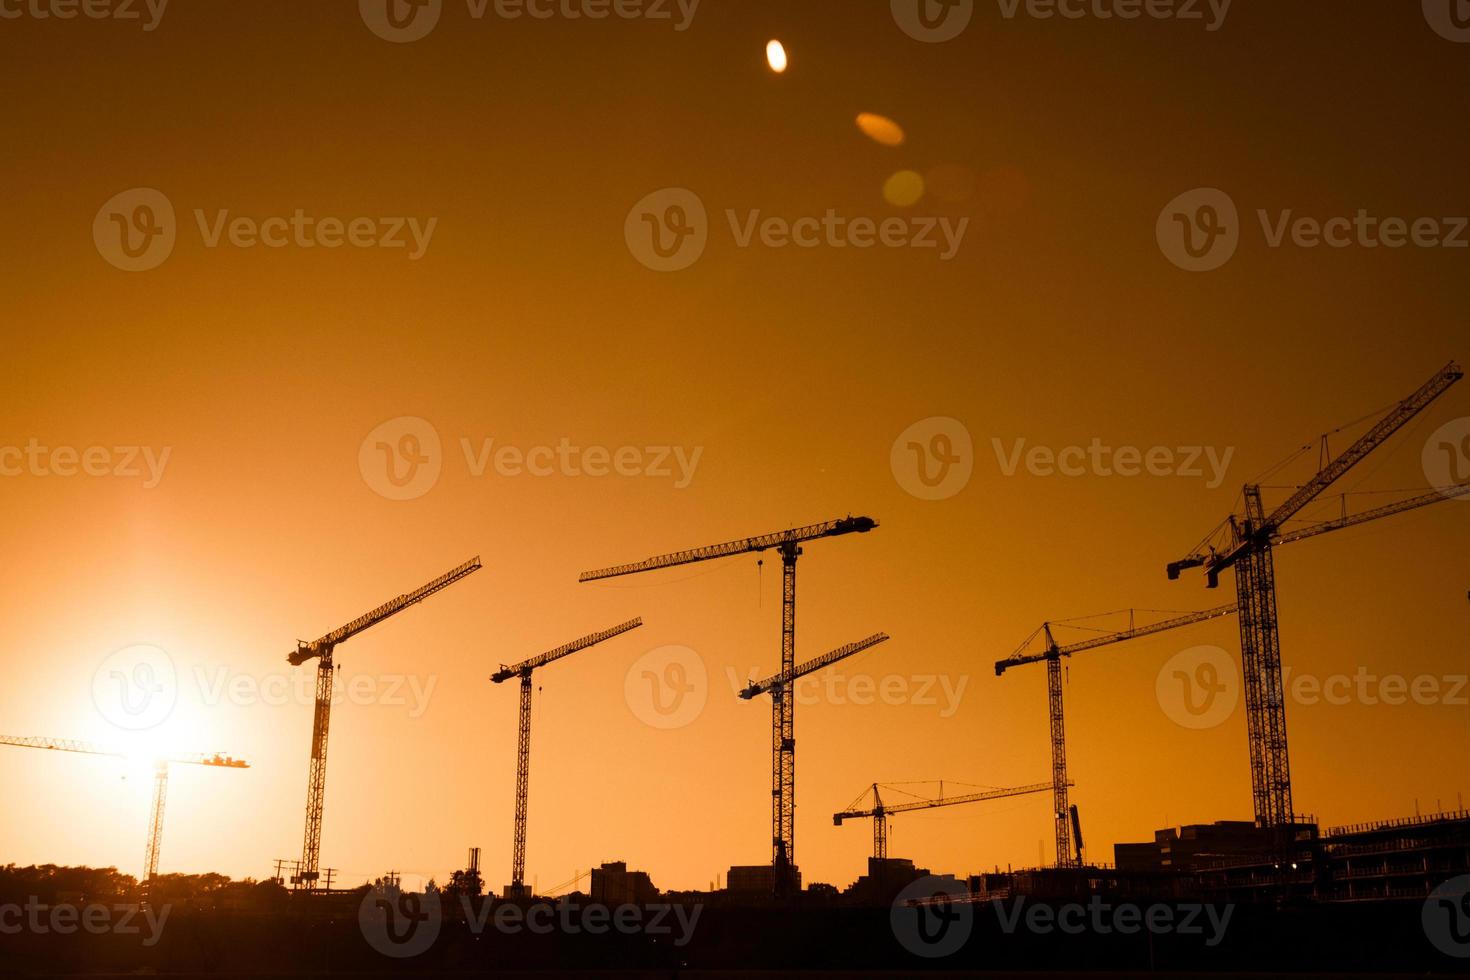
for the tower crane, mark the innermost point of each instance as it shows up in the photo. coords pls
(880, 811)
(323, 650)
(1246, 542)
(783, 745)
(160, 783)
(783, 749)
(1052, 654)
(517, 888)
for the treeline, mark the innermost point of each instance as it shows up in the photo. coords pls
(51, 884)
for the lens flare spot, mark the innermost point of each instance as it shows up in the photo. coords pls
(880, 129)
(904, 189)
(776, 56)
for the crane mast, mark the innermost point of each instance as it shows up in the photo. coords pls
(781, 687)
(1249, 549)
(322, 650)
(783, 740)
(1069, 855)
(523, 670)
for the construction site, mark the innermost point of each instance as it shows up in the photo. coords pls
(734, 488)
(1361, 889)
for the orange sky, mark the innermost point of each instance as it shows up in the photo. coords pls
(528, 321)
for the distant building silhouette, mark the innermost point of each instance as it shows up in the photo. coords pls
(614, 884)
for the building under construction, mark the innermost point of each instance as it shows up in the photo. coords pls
(1383, 861)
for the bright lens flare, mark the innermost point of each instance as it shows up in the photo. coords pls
(776, 56)
(880, 129)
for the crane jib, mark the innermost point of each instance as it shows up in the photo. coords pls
(776, 681)
(1249, 537)
(305, 651)
(505, 673)
(847, 525)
